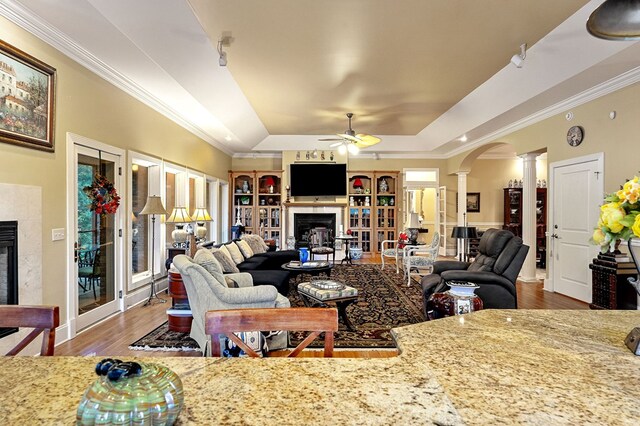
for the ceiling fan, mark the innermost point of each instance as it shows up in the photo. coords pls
(350, 141)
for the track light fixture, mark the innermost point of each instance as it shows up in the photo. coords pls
(223, 55)
(518, 59)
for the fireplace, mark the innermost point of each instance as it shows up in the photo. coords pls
(303, 223)
(8, 268)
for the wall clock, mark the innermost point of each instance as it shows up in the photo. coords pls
(575, 135)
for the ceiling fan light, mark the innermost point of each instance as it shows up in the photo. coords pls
(616, 20)
(342, 149)
(353, 149)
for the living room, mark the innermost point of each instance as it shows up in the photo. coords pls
(116, 117)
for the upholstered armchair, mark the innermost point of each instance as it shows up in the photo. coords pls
(208, 290)
(419, 260)
(393, 249)
(494, 270)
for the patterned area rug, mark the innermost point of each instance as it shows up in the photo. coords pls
(384, 302)
(163, 339)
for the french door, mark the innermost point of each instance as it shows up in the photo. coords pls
(96, 286)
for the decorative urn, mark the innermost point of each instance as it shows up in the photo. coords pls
(459, 299)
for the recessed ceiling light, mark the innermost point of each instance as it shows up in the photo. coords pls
(228, 138)
(463, 138)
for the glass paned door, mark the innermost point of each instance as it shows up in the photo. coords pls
(96, 251)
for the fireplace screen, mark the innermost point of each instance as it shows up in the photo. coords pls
(8, 268)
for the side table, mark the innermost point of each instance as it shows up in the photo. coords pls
(179, 315)
(347, 241)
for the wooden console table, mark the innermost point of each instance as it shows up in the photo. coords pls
(179, 315)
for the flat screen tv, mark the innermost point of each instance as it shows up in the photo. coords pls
(318, 179)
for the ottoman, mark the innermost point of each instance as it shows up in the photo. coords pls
(313, 296)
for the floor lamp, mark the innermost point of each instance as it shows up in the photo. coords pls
(153, 207)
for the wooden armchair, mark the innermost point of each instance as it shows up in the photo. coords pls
(316, 320)
(43, 319)
(322, 243)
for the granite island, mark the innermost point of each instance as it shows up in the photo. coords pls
(488, 367)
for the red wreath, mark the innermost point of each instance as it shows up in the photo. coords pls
(104, 197)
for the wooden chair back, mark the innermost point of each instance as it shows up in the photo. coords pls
(315, 320)
(43, 319)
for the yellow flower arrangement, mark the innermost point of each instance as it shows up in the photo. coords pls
(619, 218)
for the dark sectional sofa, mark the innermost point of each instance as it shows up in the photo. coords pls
(266, 268)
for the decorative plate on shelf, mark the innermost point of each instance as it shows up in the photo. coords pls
(327, 284)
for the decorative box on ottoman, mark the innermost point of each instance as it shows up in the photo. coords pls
(319, 292)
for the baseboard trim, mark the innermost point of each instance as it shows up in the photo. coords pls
(130, 300)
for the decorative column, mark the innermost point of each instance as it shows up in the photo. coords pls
(528, 272)
(462, 207)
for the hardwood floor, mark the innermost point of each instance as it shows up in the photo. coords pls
(113, 336)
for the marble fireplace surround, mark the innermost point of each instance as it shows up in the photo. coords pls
(24, 204)
(307, 208)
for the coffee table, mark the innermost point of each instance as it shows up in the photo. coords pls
(312, 268)
(312, 296)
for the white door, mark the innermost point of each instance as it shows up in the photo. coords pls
(97, 245)
(577, 192)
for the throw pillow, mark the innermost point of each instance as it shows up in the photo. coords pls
(207, 260)
(254, 339)
(222, 256)
(231, 283)
(256, 243)
(245, 249)
(234, 251)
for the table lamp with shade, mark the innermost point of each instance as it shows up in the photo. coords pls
(180, 217)
(357, 185)
(412, 226)
(201, 215)
(153, 207)
(270, 183)
(464, 233)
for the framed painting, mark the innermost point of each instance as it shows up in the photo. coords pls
(27, 99)
(473, 202)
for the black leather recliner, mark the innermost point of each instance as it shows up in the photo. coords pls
(495, 270)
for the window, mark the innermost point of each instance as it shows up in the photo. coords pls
(144, 181)
(140, 223)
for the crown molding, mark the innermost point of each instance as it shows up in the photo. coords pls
(257, 155)
(612, 85)
(32, 23)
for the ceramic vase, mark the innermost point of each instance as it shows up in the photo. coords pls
(304, 254)
(459, 299)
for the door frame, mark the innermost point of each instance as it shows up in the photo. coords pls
(597, 191)
(72, 285)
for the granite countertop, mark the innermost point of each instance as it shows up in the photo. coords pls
(489, 367)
